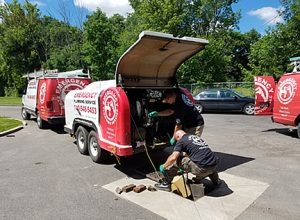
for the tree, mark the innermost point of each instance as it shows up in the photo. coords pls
(100, 43)
(186, 17)
(270, 55)
(62, 45)
(197, 18)
(19, 47)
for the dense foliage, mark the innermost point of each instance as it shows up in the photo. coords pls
(30, 41)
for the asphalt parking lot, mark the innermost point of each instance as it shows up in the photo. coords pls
(42, 176)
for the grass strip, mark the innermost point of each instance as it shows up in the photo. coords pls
(8, 123)
(9, 100)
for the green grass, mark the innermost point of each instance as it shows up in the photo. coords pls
(8, 123)
(9, 100)
(245, 91)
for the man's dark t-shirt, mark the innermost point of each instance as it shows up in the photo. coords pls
(185, 110)
(197, 150)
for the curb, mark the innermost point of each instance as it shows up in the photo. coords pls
(13, 130)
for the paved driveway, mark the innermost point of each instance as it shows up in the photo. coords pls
(42, 176)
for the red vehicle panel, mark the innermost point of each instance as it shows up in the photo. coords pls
(115, 135)
(264, 94)
(287, 100)
(51, 95)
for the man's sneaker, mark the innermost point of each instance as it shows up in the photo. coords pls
(197, 180)
(218, 182)
(163, 186)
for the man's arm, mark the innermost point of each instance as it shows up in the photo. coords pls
(166, 112)
(171, 159)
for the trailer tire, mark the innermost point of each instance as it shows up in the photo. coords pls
(97, 154)
(25, 115)
(82, 140)
(40, 122)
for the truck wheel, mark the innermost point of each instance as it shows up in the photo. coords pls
(97, 154)
(82, 140)
(40, 122)
(249, 109)
(25, 115)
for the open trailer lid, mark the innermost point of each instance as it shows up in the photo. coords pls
(152, 61)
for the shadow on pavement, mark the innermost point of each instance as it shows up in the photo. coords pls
(227, 161)
(212, 191)
(285, 131)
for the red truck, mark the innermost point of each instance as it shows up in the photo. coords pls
(111, 117)
(286, 109)
(45, 94)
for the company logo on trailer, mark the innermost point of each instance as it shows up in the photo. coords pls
(186, 100)
(43, 93)
(110, 107)
(63, 87)
(264, 89)
(287, 90)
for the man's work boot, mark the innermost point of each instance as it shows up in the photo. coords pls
(163, 186)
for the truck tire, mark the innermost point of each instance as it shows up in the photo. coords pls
(97, 154)
(40, 122)
(25, 115)
(82, 140)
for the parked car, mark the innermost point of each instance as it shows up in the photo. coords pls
(224, 100)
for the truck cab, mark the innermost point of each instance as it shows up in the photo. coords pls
(111, 117)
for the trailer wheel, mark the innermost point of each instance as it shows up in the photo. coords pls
(40, 122)
(97, 154)
(25, 115)
(82, 140)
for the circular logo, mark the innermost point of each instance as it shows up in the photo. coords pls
(262, 91)
(198, 141)
(286, 91)
(186, 100)
(110, 107)
(43, 92)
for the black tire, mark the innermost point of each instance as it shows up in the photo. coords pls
(82, 140)
(199, 108)
(25, 115)
(40, 122)
(97, 154)
(249, 109)
(298, 130)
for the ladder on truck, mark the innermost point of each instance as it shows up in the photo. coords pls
(84, 73)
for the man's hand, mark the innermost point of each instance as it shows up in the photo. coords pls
(161, 168)
(172, 141)
(180, 171)
(153, 114)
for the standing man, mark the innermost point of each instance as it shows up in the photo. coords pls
(198, 159)
(186, 115)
